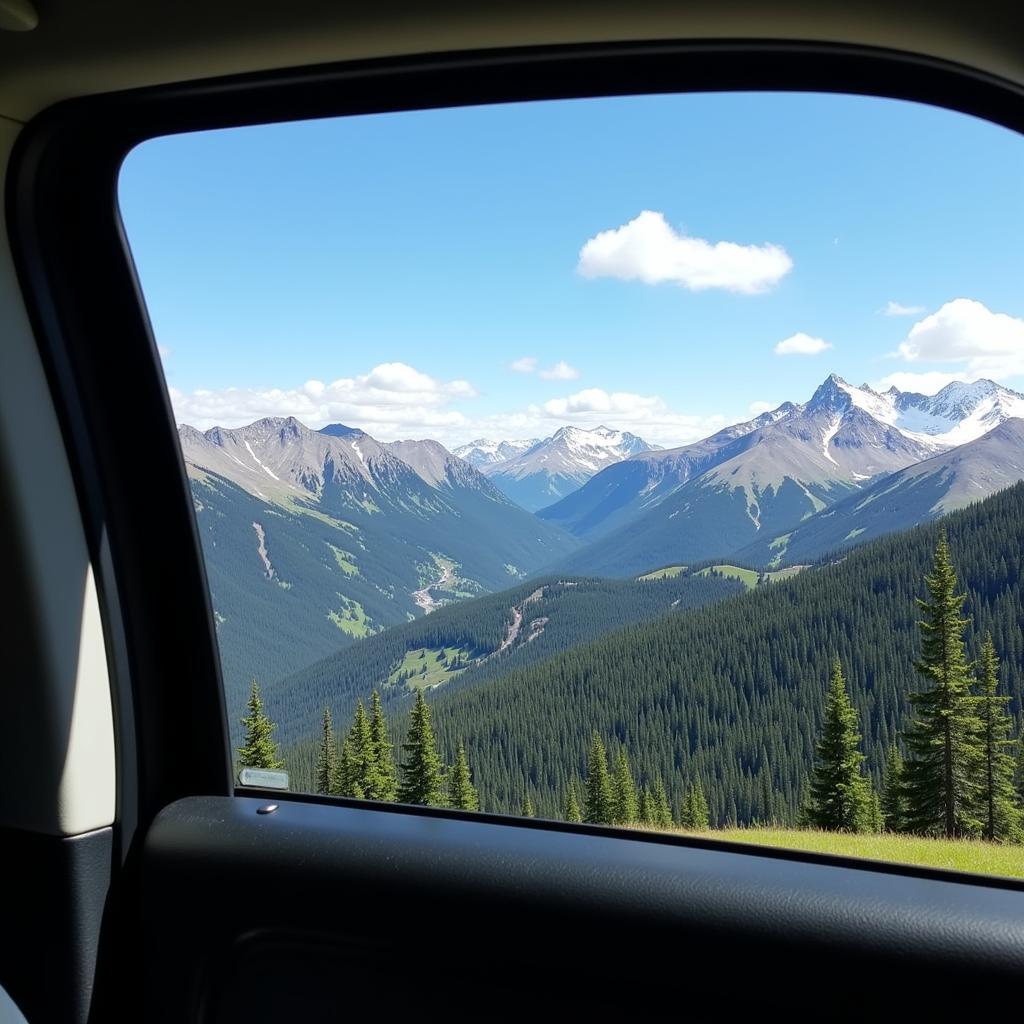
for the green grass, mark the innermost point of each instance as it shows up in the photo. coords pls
(344, 560)
(952, 854)
(437, 671)
(351, 618)
(748, 577)
(667, 573)
(784, 574)
(302, 509)
(854, 533)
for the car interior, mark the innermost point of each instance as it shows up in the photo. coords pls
(141, 882)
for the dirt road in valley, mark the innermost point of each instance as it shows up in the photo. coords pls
(423, 597)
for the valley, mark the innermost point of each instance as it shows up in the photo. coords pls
(339, 564)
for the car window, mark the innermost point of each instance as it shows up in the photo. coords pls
(652, 462)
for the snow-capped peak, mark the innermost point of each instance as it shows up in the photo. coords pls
(959, 413)
(484, 452)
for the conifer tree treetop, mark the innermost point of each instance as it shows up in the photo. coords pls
(258, 749)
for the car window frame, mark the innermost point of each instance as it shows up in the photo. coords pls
(88, 313)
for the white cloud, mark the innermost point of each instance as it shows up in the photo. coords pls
(756, 408)
(964, 332)
(394, 398)
(648, 249)
(650, 416)
(801, 344)
(163, 350)
(967, 330)
(395, 401)
(898, 309)
(967, 334)
(560, 371)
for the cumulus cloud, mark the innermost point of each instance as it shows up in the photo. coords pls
(650, 416)
(967, 333)
(527, 364)
(394, 400)
(966, 329)
(649, 249)
(394, 397)
(898, 309)
(756, 408)
(560, 371)
(801, 344)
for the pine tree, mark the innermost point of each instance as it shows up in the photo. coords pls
(421, 769)
(805, 812)
(624, 806)
(876, 820)
(384, 776)
(461, 792)
(662, 811)
(1018, 774)
(359, 766)
(572, 804)
(328, 778)
(348, 772)
(839, 791)
(697, 808)
(941, 779)
(598, 800)
(892, 792)
(259, 749)
(686, 812)
(526, 809)
(1001, 818)
(645, 807)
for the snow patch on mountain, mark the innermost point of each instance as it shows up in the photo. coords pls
(959, 413)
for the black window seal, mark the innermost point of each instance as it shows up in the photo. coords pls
(90, 322)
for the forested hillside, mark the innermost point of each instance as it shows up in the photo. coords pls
(479, 640)
(732, 694)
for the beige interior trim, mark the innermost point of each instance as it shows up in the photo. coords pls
(57, 767)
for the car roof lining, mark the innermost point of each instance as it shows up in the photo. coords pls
(84, 49)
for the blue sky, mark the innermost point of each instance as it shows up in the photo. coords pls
(650, 255)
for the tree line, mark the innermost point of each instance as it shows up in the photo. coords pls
(949, 769)
(363, 767)
(733, 694)
(960, 778)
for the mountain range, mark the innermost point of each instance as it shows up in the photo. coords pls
(316, 538)
(749, 486)
(537, 473)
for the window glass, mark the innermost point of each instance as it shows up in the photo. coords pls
(649, 461)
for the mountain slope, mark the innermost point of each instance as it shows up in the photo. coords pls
(783, 473)
(957, 414)
(733, 693)
(922, 492)
(480, 640)
(626, 489)
(844, 434)
(559, 464)
(336, 528)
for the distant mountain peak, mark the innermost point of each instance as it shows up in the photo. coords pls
(340, 430)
